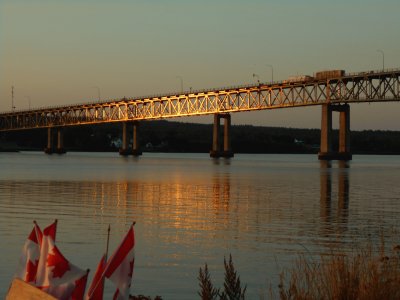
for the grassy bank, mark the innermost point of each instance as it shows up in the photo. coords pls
(367, 273)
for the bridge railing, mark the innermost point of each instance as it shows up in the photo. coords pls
(387, 70)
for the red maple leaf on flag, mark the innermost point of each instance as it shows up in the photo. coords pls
(56, 259)
(31, 270)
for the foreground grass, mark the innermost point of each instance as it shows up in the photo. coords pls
(365, 274)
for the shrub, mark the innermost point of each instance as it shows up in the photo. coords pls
(232, 286)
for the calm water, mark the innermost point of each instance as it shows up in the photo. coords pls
(190, 209)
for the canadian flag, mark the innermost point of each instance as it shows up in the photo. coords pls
(56, 275)
(96, 289)
(119, 268)
(29, 260)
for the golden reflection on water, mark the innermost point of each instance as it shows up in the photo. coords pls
(334, 224)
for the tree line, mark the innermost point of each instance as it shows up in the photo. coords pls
(167, 136)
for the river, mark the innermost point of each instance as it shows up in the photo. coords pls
(190, 210)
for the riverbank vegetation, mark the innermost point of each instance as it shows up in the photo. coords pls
(364, 274)
(232, 289)
(166, 136)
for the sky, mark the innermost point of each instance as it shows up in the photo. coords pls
(60, 52)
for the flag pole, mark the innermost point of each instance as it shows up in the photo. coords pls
(108, 240)
(88, 296)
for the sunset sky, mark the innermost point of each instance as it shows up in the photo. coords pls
(63, 52)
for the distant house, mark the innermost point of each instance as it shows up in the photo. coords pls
(298, 142)
(117, 143)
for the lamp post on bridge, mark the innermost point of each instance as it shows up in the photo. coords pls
(272, 72)
(12, 99)
(258, 78)
(181, 79)
(383, 58)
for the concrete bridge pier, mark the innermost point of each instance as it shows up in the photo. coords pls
(49, 149)
(59, 149)
(216, 147)
(215, 151)
(135, 142)
(60, 141)
(125, 150)
(326, 152)
(227, 141)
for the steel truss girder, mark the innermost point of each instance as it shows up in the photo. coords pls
(361, 87)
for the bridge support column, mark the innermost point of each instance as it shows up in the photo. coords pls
(135, 144)
(60, 141)
(124, 150)
(215, 151)
(49, 149)
(326, 152)
(227, 142)
(326, 130)
(216, 146)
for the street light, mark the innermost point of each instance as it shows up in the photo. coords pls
(181, 79)
(12, 98)
(98, 91)
(258, 78)
(272, 72)
(383, 59)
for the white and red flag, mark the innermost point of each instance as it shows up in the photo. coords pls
(72, 289)
(119, 268)
(51, 230)
(49, 235)
(96, 289)
(56, 275)
(29, 260)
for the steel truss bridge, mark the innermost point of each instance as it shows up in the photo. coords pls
(333, 94)
(371, 86)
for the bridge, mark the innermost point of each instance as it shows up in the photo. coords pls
(334, 93)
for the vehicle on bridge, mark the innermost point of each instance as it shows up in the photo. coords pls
(298, 78)
(321, 75)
